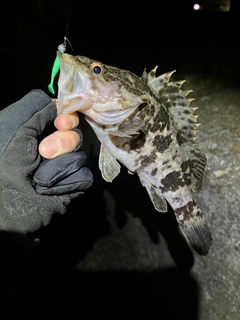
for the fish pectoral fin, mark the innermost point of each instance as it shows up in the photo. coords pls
(158, 200)
(108, 165)
(129, 128)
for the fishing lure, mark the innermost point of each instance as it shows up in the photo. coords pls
(56, 66)
(62, 49)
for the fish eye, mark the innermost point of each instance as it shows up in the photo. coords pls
(96, 68)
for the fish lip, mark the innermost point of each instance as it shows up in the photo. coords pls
(69, 70)
(69, 92)
(63, 61)
(66, 109)
(67, 58)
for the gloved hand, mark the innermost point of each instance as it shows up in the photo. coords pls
(31, 191)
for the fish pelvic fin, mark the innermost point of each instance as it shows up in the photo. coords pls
(108, 165)
(194, 228)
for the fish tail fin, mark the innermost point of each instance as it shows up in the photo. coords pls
(194, 228)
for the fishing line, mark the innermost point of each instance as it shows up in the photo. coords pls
(61, 48)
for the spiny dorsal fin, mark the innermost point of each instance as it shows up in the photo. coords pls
(183, 118)
(176, 101)
(156, 83)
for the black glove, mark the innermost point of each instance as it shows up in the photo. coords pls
(28, 202)
(64, 174)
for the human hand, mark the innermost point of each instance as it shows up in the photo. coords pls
(56, 181)
(62, 141)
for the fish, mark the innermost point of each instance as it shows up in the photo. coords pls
(147, 124)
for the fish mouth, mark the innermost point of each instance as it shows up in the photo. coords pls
(71, 86)
(100, 102)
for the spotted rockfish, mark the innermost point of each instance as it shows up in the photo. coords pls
(146, 123)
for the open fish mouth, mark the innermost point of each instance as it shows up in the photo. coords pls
(82, 90)
(71, 86)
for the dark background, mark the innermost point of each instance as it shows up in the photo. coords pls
(41, 280)
(130, 35)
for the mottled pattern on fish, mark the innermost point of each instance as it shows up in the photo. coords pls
(147, 124)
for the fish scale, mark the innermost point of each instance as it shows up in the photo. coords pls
(147, 124)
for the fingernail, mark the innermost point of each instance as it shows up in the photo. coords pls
(51, 147)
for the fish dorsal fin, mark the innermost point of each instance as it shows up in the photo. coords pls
(197, 165)
(176, 101)
(184, 120)
(108, 165)
(156, 82)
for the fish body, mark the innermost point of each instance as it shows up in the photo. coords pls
(147, 124)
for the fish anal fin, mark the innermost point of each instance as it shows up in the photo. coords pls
(197, 163)
(158, 200)
(108, 165)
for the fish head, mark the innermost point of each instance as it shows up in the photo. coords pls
(106, 94)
